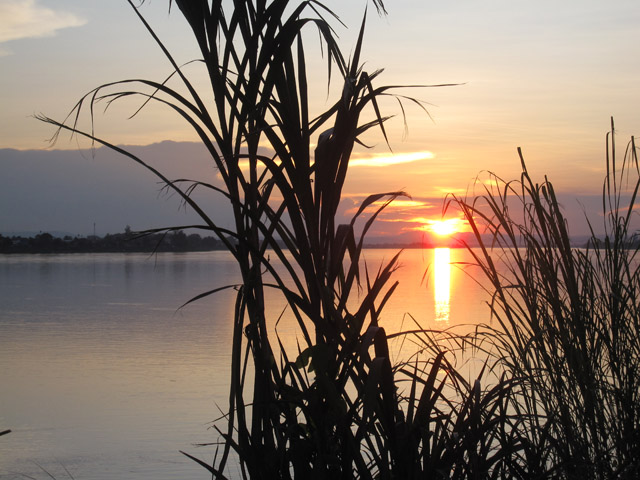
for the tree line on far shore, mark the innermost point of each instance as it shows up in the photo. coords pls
(177, 241)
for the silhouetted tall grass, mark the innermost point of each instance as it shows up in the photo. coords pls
(568, 321)
(337, 406)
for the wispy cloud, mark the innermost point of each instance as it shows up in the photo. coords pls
(404, 204)
(379, 160)
(385, 160)
(401, 210)
(26, 19)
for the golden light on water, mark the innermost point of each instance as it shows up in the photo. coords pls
(442, 283)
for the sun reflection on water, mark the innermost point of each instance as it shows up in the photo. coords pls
(442, 282)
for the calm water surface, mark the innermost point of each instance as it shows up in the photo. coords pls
(101, 374)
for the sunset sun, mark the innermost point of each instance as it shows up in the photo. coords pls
(445, 228)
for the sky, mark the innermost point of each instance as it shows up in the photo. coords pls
(545, 76)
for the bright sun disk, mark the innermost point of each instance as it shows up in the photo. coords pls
(444, 227)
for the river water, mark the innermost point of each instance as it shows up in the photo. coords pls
(102, 377)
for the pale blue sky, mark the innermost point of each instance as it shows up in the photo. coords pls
(542, 75)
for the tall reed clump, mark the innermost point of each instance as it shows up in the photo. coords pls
(337, 406)
(568, 320)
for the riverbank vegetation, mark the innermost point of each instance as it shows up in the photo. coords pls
(568, 321)
(557, 394)
(176, 241)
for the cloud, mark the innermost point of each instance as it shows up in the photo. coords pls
(385, 160)
(377, 160)
(25, 19)
(401, 210)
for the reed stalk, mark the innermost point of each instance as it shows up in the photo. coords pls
(568, 320)
(337, 407)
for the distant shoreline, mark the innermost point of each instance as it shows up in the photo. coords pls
(178, 241)
(128, 242)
